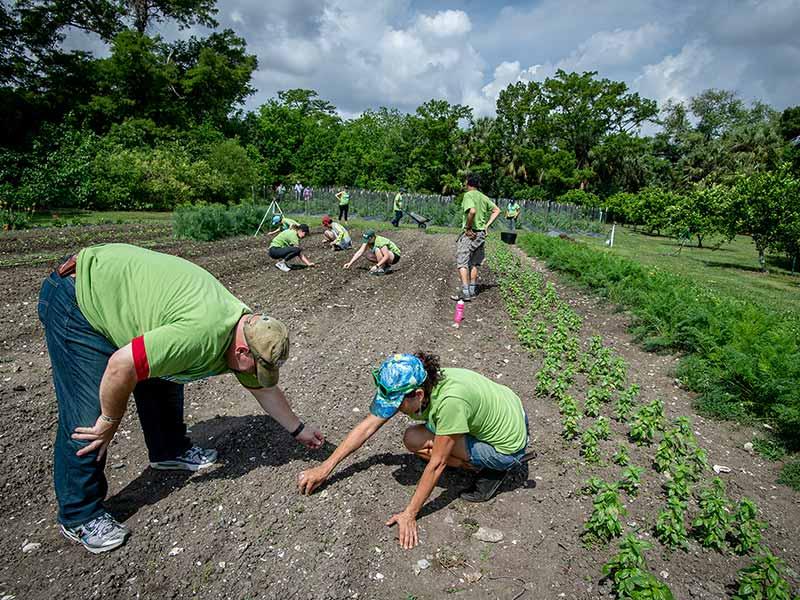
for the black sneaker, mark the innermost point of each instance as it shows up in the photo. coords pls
(487, 482)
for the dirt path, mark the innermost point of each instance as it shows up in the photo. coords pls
(243, 530)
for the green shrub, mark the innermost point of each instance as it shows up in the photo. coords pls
(208, 222)
(790, 475)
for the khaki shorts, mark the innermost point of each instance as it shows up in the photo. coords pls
(470, 253)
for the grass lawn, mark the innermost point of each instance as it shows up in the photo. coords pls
(732, 269)
(89, 217)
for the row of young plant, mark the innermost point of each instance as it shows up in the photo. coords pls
(547, 325)
(741, 358)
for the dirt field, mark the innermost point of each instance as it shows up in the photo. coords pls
(241, 531)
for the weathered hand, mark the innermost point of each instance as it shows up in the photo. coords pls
(100, 436)
(311, 479)
(407, 529)
(310, 437)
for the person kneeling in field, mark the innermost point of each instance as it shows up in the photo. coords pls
(471, 423)
(122, 320)
(377, 249)
(286, 246)
(281, 223)
(336, 235)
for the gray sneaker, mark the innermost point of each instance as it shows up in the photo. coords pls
(377, 271)
(194, 459)
(283, 266)
(101, 534)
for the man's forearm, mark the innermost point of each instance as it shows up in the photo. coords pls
(274, 403)
(470, 220)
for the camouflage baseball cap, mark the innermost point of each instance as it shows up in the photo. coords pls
(268, 341)
(397, 376)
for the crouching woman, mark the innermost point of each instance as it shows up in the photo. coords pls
(470, 422)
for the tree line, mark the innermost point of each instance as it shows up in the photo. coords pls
(156, 124)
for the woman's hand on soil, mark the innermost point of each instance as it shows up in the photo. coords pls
(100, 437)
(310, 437)
(407, 529)
(311, 479)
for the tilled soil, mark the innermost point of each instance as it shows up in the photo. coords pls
(240, 530)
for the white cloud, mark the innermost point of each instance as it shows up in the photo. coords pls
(445, 23)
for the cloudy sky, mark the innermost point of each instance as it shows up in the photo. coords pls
(363, 54)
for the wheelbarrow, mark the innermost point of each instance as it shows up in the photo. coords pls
(422, 222)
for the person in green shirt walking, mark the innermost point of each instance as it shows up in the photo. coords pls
(470, 422)
(512, 214)
(286, 246)
(378, 249)
(478, 214)
(398, 208)
(344, 203)
(122, 320)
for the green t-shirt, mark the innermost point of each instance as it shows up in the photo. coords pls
(467, 402)
(178, 317)
(381, 242)
(483, 208)
(398, 202)
(344, 199)
(341, 233)
(289, 223)
(512, 210)
(285, 239)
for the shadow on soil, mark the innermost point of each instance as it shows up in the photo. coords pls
(244, 444)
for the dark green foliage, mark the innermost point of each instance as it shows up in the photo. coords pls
(630, 479)
(769, 448)
(670, 528)
(764, 579)
(647, 420)
(790, 475)
(628, 572)
(604, 523)
(213, 221)
(742, 357)
(621, 457)
(711, 526)
(589, 448)
(745, 531)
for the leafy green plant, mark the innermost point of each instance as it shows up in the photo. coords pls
(624, 404)
(591, 407)
(790, 475)
(670, 528)
(679, 486)
(604, 524)
(571, 427)
(602, 429)
(629, 575)
(679, 445)
(764, 579)
(745, 528)
(621, 457)
(593, 485)
(630, 480)
(646, 421)
(589, 447)
(711, 525)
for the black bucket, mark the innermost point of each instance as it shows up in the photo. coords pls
(509, 237)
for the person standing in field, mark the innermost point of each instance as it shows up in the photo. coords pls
(470, 422)
(298, 190)
(336, 235)
(378, 249)
(286, 246)
(398, 208)
(344, 203)
(307, 193)
(282, 223)
(122, 320)
(512, 214)
(478, 214)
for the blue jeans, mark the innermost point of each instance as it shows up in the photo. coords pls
(79, 356)
(486, 456)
